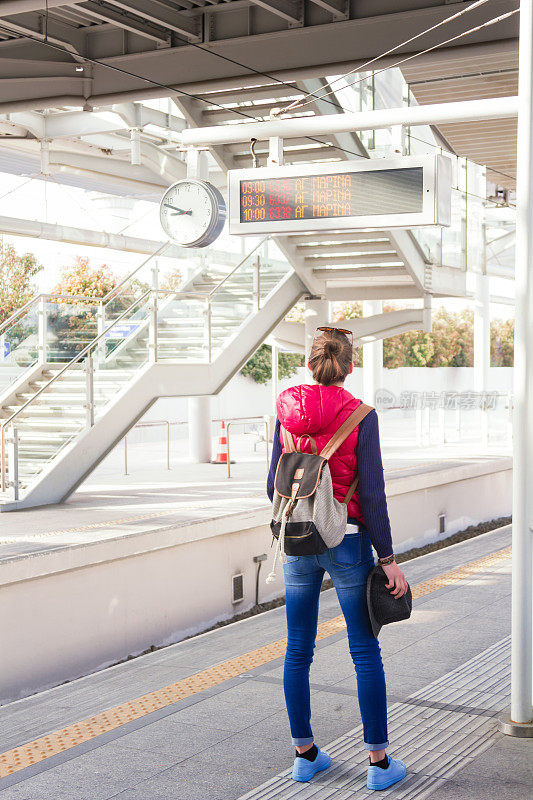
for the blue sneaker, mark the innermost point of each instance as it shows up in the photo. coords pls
(378, 778)
(303, 769)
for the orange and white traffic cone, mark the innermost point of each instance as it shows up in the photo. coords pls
(222, 453)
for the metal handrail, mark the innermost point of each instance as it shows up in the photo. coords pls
(225, 278)
(242, 421)
(6, 324)
(111, 293)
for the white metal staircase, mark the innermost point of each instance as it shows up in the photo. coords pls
(59, 419)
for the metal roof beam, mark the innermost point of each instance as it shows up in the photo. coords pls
(137, 115)
(126, 22)
(53, 36)
(90, 123)
(286, 9)
(339, 9)
(22, 6)
(163, 15)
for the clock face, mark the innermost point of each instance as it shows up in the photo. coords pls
(192, 212)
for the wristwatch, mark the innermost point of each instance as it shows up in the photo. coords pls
(387, 560)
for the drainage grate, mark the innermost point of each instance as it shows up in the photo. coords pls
(434, 742)
(237, 583)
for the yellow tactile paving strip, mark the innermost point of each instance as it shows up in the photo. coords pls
(58, 741)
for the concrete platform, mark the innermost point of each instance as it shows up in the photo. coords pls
(205, 718)
(111, 505)
(130, 552)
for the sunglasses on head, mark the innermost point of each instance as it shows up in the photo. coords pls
(328, 329)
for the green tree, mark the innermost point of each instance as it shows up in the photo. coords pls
(453, 339)
(16, 279)
(502, 343)
(85, 281)
(450, 343)
(259, 366)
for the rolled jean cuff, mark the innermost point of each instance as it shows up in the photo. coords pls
(301, 741)
(382, 746)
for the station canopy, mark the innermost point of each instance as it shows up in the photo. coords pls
(80, 79)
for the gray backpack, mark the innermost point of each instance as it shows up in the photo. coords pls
(306, 517)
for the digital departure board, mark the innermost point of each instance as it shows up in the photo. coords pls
(380, 193)
(340, 194)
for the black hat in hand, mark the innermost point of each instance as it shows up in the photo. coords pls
(383, 607)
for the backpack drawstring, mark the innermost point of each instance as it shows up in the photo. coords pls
(280, 547)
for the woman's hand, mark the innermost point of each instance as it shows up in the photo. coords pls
(397, 581)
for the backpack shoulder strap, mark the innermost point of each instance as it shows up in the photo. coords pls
(345, 429)
(288, 441)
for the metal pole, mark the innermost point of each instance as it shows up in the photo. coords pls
(125, 455)
(209, 332)
(3, 456)
(431, 114)
(265, 423)
(521, 719)
(41, 324)
(89, 392)
(257, 283)
(227, 448)
(275, 375)
(100, 328)
(13, 461)
(152, 330)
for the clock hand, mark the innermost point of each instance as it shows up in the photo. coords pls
(177, 210)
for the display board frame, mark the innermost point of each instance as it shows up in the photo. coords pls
(436, 196)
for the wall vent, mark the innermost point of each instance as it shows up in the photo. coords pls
(237, 586)
(442, 523)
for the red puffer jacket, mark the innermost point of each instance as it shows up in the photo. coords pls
(318, 411)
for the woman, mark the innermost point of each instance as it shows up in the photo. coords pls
(319, 410)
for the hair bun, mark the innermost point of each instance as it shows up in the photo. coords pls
(332, 347)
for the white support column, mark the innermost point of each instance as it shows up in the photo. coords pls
(200, 429)
(521, 718)
(275, 376)
(197, 165)
(482, 346)
(200, 407)
(316, 313)
(372, 357)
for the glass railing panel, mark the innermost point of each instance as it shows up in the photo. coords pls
(233, 301)
(154, 271)
(50, 422)
(182, 327)
(70, 326)
(500, 237)
(273, 268)
(126, 339)
(19, 346)
(476, 193)
(454, 236)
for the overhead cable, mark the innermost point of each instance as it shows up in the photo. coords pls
(323, 93)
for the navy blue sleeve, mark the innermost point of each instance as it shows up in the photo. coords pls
(371, 487)
(276, 453)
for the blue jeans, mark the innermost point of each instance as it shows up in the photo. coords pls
(348, 565)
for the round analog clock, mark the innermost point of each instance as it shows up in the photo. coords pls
(192, 212)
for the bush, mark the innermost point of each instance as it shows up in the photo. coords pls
(259, 366)
(502, 343)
